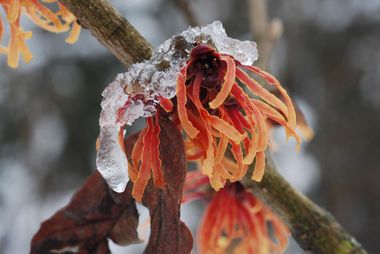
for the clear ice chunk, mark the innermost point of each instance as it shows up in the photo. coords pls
(135, 93)
(243, 51)
(111, 160)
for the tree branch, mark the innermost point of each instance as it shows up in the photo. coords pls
(312, 227)
(111, 29)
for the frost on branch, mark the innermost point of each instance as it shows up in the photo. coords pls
(136, 92)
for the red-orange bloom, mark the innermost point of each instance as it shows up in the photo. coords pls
(235, 221)
(56, 22)
(216, 112)
(218, 117)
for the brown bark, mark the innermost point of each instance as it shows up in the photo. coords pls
(314, 228)
(111, 29)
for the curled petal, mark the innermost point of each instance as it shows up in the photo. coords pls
(225, 128)
(222, 147)
(240, 169)
(45, 18)
(14, 11)
(188, 127)
(253, 115)
(147, 152)
(143, 175)
(158, 176)
(261, 92)
(277, 117)
(229, 80)
(272, 80)
(237, 222)
(258, 172)
(39, 14)
(209, 161)
(166, 104)
(74, 34)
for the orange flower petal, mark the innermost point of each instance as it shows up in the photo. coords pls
(158, 176)
(166, 104)
(39, 14)
(252, 111)
(222, 147)
(277, 117)
(188, 127)
(209, 161)
(272, 80)
(229, 80)
(14, 11)
(225, 128)
(261, 92)
(144, 173)
(74, 34)
(258, 172)
(137, 149)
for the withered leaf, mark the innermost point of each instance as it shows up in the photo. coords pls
(168, 233)
(94, 214)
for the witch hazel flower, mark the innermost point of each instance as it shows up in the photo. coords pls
(234, 221)
(37, 11)
(204, 82)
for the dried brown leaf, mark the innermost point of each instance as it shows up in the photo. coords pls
(168, 233)
(93, 214)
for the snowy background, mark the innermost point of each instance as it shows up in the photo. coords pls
(328, 58)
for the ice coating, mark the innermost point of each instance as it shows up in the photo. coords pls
(243, 51)
(135, 93)
(111, 160)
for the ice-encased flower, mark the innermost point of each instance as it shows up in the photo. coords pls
(136, 92)
(196, 77)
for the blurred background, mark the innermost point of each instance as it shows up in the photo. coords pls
(328, 57)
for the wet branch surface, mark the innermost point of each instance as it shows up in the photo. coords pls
(312, 227)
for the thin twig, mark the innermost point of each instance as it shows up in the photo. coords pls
(313, 228)
(185, 8)
(265, 32)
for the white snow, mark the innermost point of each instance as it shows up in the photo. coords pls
(137, 91)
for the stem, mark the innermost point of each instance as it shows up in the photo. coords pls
(265, 32)
(185, 8)
(313, 228)
(111, 29)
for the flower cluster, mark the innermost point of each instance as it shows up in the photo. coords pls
(235, 221)
(223, 112)
(217, 113)
(206, 85)
(36, 10)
